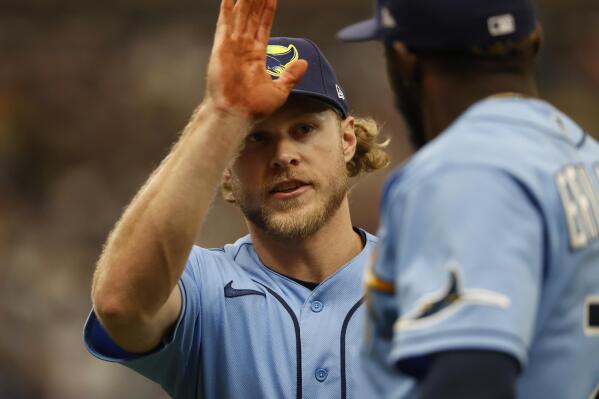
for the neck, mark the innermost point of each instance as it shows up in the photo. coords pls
(445, 99)
(313, 258)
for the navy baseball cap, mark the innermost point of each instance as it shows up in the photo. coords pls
(319, 81)
(446, 24)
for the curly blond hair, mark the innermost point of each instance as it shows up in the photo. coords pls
(370, 154)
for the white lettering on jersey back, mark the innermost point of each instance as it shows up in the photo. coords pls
(581, 205)
(590, 201)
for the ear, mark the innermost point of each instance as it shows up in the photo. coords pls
(227, 186)
(540, 37)
(350, 141)
(401, 62)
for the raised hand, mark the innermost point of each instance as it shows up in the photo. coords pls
(237, 78)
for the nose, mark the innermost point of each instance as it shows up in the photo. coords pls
(285, 155)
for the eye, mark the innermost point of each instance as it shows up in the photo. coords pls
(256, 137)
(304, 129)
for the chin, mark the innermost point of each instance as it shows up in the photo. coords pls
(299, 217)
(294, 222)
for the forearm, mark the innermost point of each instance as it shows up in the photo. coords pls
(134, 289)
(147, 251)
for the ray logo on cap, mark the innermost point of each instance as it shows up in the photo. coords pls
(319, 80)
(279, 57)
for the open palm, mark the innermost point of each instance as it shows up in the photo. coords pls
(237, 77)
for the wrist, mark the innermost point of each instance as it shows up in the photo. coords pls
(232, 120)
(226, 111)
(223, 129)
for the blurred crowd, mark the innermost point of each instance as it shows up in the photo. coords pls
(92, 96)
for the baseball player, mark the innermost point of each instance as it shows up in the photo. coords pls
(486, 283)
(277, 314)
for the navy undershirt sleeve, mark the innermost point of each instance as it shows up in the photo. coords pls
(470, 374)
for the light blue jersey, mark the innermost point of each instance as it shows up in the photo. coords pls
(489, 240)
(246, 331)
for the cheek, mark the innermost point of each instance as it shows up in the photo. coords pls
(246, 180)
(332, 163)
(243, 179)
(243, 188)
(248, 167)
(328, 146)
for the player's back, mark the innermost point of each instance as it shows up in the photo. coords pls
(557, 165)
(564, 353)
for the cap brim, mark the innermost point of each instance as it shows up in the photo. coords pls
(323, 99)
(360, 32)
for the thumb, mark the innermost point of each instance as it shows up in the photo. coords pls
(292, 75)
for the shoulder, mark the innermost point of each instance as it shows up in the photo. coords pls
(227, 253)
(230, 261)
(518, 138)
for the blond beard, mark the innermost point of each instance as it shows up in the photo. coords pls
(297, 218)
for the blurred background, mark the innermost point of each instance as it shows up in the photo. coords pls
(93, 94)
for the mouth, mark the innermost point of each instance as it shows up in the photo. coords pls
(289, 189)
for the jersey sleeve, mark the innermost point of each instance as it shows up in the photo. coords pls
(174, 364)
(468, 261)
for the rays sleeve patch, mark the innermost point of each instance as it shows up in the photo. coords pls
(439, 305)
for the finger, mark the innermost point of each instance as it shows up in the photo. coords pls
(292, 75)
(242, 12)
(265, 25)
(255, 17)
(226, 13)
